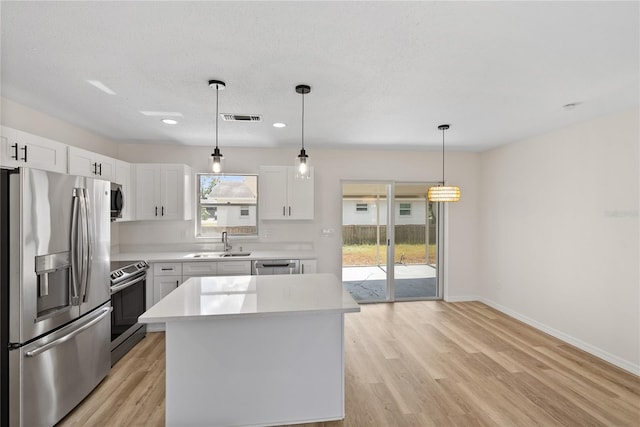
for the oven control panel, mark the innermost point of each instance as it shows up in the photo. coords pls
(128, 272)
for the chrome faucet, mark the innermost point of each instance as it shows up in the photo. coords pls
(225, 240)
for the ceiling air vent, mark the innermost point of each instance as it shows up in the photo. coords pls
(240, 118)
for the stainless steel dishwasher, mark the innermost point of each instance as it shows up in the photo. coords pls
(275, 266)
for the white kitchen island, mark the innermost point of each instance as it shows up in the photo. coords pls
(254, 350)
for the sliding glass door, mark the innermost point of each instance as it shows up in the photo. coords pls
(390, 236)
(364, 237)
(415, 238)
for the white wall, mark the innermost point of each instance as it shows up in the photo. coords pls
(331, 166)
(18, 116)
(559, 234)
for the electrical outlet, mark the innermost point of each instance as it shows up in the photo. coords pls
(327, 232)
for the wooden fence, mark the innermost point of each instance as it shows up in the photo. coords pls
(232, 230)
(412, 234)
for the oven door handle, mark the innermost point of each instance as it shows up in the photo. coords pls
(118, 288)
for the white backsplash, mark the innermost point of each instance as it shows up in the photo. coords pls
(172, 236)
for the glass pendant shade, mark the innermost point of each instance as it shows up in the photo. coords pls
(215, 161)
(444, 193)
(302, 165)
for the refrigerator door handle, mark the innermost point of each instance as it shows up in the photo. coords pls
(83, 261)
(76, 256)
(88, 230)
(94, 318)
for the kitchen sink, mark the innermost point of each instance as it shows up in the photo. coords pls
(234, 254)
(217, 255)
(204, 255)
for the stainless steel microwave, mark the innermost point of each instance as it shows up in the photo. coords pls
(117, 201)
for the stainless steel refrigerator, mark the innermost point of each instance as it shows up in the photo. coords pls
(55, 321)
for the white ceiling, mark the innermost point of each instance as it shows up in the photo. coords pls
(383, 74)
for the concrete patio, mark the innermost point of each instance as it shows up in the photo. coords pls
(368, 283)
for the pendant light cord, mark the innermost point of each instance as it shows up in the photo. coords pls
(217, 93)
(443, 155)
(303, 120)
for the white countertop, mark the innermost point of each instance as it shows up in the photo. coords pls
(238, 296)
(188, 256)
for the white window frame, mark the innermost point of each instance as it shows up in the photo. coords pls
(200, 205)
(406, 210)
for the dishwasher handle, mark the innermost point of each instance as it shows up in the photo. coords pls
(287, 264)
(275, 266)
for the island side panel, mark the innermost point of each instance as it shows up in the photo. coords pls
(255, 370)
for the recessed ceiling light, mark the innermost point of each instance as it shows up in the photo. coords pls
(169, 121)
(279, 125)
(103, 87)
(161, 113)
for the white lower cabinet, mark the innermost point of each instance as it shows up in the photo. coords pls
(308, 266)
(198, 269)
(164, 285)
(166, 277)
(234, 268)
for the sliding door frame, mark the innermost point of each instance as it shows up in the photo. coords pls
(439, 211)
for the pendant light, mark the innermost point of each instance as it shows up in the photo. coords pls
(443, 193)
(215, 161)
(302, 161)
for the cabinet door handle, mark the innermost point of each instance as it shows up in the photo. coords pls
(25, 153)
(167, 269)
(289, 210)
(15, 152)
(156, 211)
(177, 283)
(163, 211)
(301, 268)
(284, 212)
(95, 168)
(100, 171)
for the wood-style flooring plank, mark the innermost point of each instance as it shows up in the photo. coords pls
(424, 363)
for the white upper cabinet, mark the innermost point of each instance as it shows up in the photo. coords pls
(90, 164)
(123, 177)
(24, 149)
(163, 191)
(283, 196)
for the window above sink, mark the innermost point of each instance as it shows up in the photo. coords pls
(226, 203)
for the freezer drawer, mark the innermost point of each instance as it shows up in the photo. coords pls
(50, 376)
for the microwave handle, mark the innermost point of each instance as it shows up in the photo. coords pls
(118, 199)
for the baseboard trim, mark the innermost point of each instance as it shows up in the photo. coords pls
(461, 298)
(155, 327)
(595, 351)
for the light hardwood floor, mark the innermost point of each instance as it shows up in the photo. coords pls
(426, 363)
